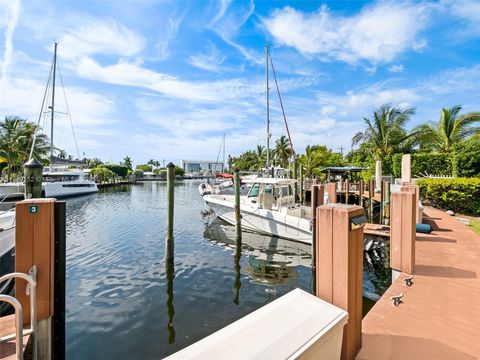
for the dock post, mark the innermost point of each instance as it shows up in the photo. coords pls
(382, 196)
(402, 233)
(301, 194)
(331, 189)
(406, 169)
(238, 215)
(360, 193)
(386, 207)
(378, 175)
(33, 171)
(295, 176)
(414, 189)
(35, 246)
(60, 270)
(169, 241)
(371, 193)
(317, 196)
(339, 267)
(347, 190)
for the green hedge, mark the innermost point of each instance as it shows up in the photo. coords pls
(467, 158)
(119, 170)
(421, 164)
(458, 194)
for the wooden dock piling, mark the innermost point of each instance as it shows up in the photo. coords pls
(360, 193)
(339, 267)
(386, 206)
(169, 241)
(238, 215)
(301, 194)
(371, 193)
(347, 190)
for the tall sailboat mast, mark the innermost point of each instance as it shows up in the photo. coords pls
(223, 170)
(53, 100)
(268, 108)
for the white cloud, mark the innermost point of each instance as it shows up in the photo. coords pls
(211, 61)
(229, 20)
(12, 15)
(133, 74)
(163, 46)
(99, 36)
(378, 34)
(396, 68)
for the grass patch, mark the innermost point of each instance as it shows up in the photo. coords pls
(475, 225)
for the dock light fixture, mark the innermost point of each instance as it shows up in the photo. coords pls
(357, 222)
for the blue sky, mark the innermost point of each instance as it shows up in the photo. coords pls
(165, 80)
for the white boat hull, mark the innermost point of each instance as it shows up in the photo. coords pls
(267, 222)
(61, 189)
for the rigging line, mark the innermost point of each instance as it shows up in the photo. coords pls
(283, 111)
(40, 114)
(68, 110)
(218, 155)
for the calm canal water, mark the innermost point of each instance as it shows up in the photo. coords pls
(122, 305)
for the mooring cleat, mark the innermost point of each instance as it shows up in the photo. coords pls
(409, 281)
(396, 300)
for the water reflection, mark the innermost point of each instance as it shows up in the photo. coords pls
(170, 274)
(270, 260)
(237, 284)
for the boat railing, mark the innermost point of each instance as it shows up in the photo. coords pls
(20, 332)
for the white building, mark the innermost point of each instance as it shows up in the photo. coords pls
(201, 166)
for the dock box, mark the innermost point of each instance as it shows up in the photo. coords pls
(298, 325)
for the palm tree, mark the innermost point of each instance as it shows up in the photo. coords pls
(62, 154)
(282, 150)
(151, 162)
(386, 133)
(450, 129)
(16, 140)
(310, 160)
(127, 162)
(156, 164)
(260, 157)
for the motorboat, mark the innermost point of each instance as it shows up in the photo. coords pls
(269, 208)
(63, 182)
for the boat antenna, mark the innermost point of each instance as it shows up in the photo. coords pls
(68, 110)
(52, 107)
(283, 111)
(40, 114)
(267, 46)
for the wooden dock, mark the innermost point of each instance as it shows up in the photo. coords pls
(439, 317)
(7, 350)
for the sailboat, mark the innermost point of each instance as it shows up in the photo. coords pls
(61, 178)
(269, 207)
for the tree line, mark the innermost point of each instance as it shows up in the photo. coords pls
(385, 135)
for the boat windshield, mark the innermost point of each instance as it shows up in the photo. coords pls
(254, 190)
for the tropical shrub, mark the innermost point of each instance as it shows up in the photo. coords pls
(456, 194)
(467, 158)
(138, 173)
(179, 171)
(119, 170)
(144, 168)
(102, 174)
(425, 163)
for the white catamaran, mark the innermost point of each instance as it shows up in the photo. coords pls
(61, 178)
